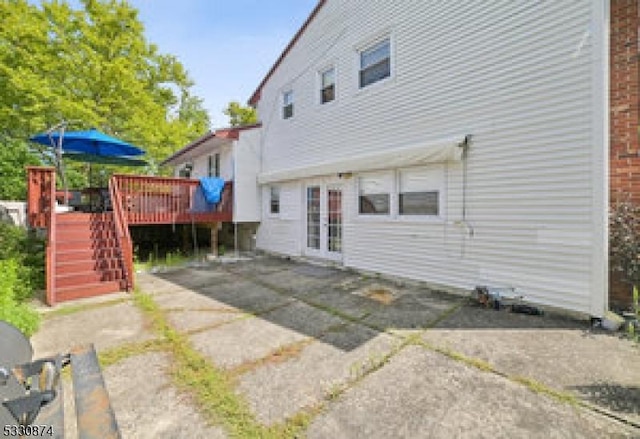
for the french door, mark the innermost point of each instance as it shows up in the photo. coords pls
(324, 221)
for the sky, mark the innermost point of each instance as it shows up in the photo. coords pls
(226, 46)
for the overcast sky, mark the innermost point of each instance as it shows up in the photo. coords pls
(227, 46)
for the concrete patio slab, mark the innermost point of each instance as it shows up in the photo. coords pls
(242, 341)
(302, 318)
(147, 406)
(200, 277)
(245, 295)
(332, 361)
(105, 327)
(184, 321)
(599, 367)
(348, 304)
(421, 394)
(259, 265)
(155, 285)
(187, 299)
(413, 309)
(297, 283)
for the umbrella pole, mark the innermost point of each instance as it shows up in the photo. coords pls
(61, 165)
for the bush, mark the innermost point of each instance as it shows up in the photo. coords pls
(624, 241)
(22, 268)
(11, 308)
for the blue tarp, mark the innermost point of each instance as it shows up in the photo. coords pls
(212, 189)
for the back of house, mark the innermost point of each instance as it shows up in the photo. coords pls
(457, 143)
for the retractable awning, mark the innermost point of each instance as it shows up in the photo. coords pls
(444, 150)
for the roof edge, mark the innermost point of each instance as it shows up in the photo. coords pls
(232, 133)
(188, 148)
(255, 97)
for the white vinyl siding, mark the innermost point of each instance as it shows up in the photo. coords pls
(527, 80)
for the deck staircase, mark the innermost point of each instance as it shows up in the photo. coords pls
(88, 254)
(88, 260)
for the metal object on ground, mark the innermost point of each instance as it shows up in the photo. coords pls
(31, 392)
(95, 415)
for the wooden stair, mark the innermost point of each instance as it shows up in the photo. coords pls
(88, 260)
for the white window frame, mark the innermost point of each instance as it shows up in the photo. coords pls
(388, 174)
(288, 92)
(371, 44)
(213, 165)
(270, 211)
(439, 172)
(320, 88)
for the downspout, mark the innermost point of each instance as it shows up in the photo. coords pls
(465, 144)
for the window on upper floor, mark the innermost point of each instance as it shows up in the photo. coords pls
(327, 85)
(374, 194)
(213, 165)
(419, 191)
(375, 62)
(287, 104)
(274, 202)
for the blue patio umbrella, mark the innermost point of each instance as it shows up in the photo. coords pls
(91, 142)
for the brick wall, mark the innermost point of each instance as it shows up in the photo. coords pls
(624, 160)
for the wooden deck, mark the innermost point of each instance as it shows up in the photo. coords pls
(131, 200)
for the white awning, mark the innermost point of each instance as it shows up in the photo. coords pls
(444, 150)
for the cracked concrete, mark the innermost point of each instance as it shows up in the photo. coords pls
(299, 336)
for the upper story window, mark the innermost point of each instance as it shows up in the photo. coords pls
(375, 62)
(213, 165)
(327, 85)
(287, 104)
(274, 202)
(374, 197)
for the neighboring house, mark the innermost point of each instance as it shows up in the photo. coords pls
(232, 154)
(457, 143)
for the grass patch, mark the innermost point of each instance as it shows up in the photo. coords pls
(277, 356)
(72, 309)
(213, 388)
(533, 385)
(117, 354)
(540, 388)
(445, 315)
(457, 356)
(169, 260)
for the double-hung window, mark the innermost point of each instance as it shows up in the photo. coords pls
(287, 104)
(213, 165)
(274, 202)
(419, 191)
(375, 62)
(327, 85)
(374, 194)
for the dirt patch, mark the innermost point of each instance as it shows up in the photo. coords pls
(378, 293)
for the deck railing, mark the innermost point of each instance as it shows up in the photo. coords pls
(163, 200)
(123, 237)
(135, 200)
(41, 205)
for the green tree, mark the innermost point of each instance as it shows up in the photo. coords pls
(94, 67)
(239, 115)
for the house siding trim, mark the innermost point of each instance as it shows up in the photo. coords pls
(600, 160)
